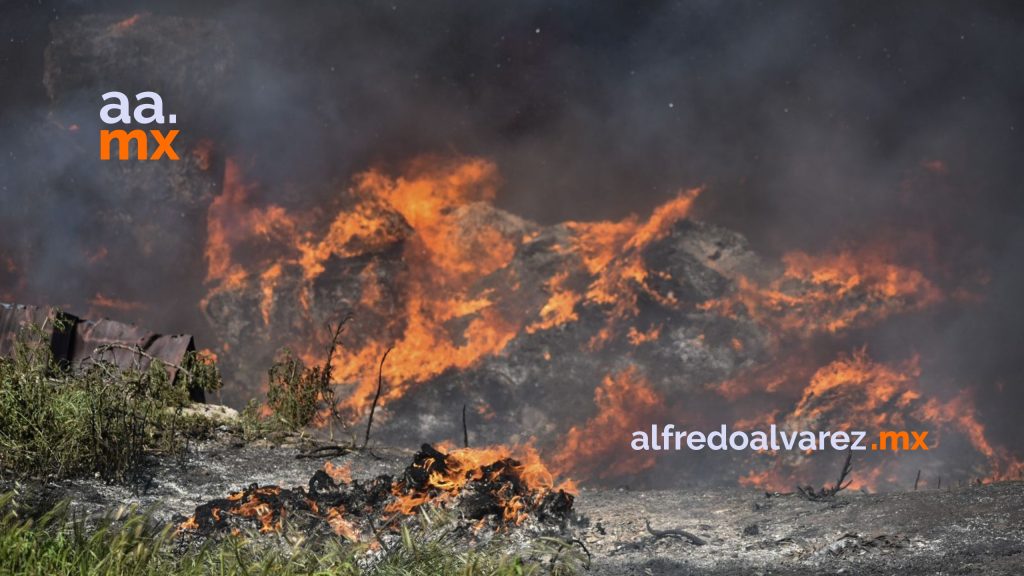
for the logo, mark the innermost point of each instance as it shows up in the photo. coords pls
(149, 109)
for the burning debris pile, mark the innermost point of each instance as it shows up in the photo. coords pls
(575, 333)
(485, 488)
(659, 318)
(480, 306)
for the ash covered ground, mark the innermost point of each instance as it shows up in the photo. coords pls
(975, 529)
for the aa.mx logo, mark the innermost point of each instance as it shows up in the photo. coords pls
(149, 109)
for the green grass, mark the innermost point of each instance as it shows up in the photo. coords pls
(99, 420)
(56, 543)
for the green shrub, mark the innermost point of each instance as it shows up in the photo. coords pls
(99, 419)
(297, 393)
(201, 372)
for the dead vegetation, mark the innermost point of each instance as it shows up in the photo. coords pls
(829, 492)
(674, 533)
(376, 397)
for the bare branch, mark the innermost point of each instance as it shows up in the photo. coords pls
(138, 350)
(676, 532)
(828, 492)
(376, 397)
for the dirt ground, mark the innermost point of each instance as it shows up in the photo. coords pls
(961, 530)
(971, 530)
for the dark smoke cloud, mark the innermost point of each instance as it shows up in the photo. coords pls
(812, 124)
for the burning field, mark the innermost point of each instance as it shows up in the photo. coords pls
(520, 238)
(656, 318)
(564, 334)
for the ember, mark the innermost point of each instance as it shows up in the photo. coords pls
(487, 486)
(488, 482)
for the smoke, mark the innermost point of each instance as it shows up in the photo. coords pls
(810, 124)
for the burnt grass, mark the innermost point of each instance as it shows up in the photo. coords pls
(976, 529)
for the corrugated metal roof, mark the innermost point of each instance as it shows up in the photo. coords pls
(14, 316)
(125, 345)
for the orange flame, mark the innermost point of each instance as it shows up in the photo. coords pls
(560, 307)
(611, 251)
(464, 465)
(830, 293)
(341, 526)
(625, 402)
(457, 238)
(461, 299)
(231, 222)
(340, 474)
(122, 25)
(101, 301)
(856, 393)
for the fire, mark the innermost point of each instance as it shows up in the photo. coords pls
(857, 393)
(599, 448)
(366, 227)
(439, 213)
(268, 283)
(436, 203)
(101, 301)
(612, 253)
(261, 510)
(495, 486)
(458, 296)
(122, 25)
(341, 526)
(189, 524)
(561, 305)
(854, 392)
(455, 243)
(517, 484)
(231, 222)
(261, 504)
(961, 413)
(637, 337)
(832, 292)
(447, 254)
(340, 474)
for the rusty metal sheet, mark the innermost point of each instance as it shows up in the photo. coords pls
(14, 316)
(91, 336)
(83, 340)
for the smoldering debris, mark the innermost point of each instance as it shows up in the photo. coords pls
(486, 489)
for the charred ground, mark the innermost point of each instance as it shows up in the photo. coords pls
(965, 529)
